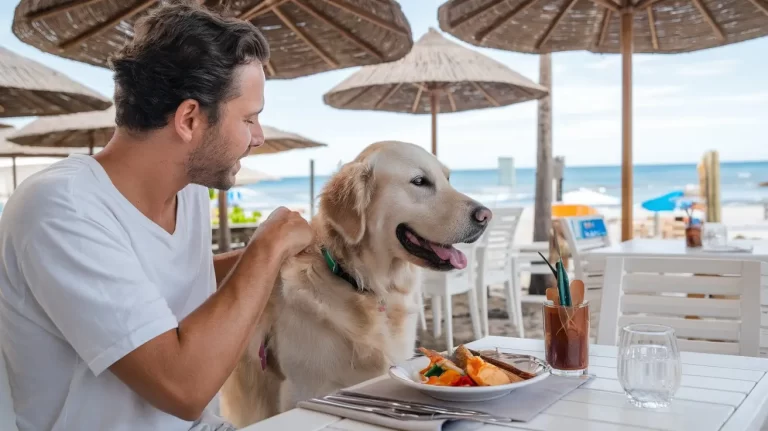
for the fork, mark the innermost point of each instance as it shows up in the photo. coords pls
(416, 405)
(405, 415)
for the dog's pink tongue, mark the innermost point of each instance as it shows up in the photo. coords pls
(456, 257)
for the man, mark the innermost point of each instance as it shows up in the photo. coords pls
(109, 314)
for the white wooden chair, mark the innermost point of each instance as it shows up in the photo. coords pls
(655, 290)
(585, 233)
(440, 287)
(7, 415)
(496, 265)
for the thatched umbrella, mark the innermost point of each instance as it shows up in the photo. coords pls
(11, 150)
(305, 36)
(27, 88)
(436, 76)
(606, 26)
(246, 176)
(95, 129)
(82, 130)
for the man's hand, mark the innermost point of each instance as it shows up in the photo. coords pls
(286, 232)
(181, 370)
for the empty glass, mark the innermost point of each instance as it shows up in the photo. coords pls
(649, 364)
(714, 235)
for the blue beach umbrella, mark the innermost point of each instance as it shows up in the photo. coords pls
(668, 202)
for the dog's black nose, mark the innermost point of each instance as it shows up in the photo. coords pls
(482, 215)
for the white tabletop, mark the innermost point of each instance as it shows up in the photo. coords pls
(676, 248)
(718, 392)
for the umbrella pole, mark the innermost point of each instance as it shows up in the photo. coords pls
(311, 188)
(225, 237)
(13, 160)
(626, 128)
(433, 108)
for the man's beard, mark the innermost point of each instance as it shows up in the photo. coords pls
(209, 164)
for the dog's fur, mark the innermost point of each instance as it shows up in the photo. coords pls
(321, 333)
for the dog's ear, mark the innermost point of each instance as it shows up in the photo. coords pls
(345, 199)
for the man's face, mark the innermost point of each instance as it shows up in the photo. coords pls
(216, 159)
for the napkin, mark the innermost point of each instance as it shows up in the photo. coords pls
(521, 404)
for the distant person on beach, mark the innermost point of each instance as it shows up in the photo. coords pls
(110, 316)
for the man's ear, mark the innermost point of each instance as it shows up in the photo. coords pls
(345, 198)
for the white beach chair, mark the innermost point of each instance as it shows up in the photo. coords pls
(585, 233)
(496, 257)
(656, 291)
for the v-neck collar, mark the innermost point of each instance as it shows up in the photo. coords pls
(103, 177)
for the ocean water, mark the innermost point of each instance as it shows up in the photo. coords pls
(739, 184)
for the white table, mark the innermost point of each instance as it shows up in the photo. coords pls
(718, 392)
(677, 248)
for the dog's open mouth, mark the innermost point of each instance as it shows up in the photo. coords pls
(439, 256)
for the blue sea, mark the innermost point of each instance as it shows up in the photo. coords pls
(739, 184)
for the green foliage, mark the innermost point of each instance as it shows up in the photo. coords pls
(238, 216)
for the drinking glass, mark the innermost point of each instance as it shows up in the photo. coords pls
(714, 235)
(566, 338)
(649, 364)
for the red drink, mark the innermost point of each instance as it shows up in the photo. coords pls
(566, 338)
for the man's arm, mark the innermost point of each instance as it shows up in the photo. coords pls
(224, 262)
(180, 371)
(93, 288)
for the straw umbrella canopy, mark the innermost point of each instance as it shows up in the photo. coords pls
(305, 36)
(246, 176)
(12, 150)
(436, 76)
(82, 130)
(277, 141)
(95, 129)
(606, 26)
(27, 88)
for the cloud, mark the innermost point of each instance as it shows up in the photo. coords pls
(747, 98)
(708, 68)
(595, 99)
(614, 60)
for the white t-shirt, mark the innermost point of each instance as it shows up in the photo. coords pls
(85, 278)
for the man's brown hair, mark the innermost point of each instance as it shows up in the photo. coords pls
(181, 51)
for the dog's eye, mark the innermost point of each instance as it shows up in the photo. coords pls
(419, 181)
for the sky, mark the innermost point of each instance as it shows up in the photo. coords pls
(684, 105)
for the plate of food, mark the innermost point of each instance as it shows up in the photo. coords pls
(469, 375)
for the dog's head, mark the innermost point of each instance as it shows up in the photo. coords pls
(395, 199)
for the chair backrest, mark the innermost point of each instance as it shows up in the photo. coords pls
(497, 243)
(584, 233)
(7, 415)
(713, 304)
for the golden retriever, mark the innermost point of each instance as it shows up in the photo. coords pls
(381, 217)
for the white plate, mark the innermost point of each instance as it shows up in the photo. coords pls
(407, 374)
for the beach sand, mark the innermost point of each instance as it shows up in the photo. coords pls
(498, 322)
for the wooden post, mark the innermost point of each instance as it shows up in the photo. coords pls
(13, 160)
(225, 236)
(626, 128)
(433, 108)
(311, 188)
(542, 212)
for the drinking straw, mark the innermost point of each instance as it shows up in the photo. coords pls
(563, 286)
